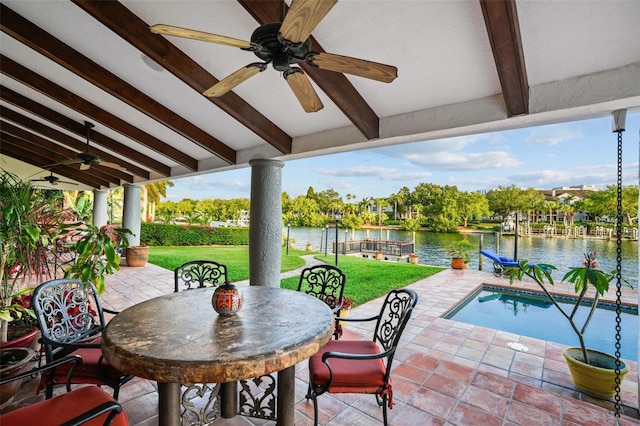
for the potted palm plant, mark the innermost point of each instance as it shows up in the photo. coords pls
(460, 253)
(95, 252)
(593, 372)
(27, 226)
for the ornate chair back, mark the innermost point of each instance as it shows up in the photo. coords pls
(68, 311)
(363, 366)
(71, 320)
(324, 282)
(200, 273)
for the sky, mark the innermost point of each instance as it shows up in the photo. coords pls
(543, 157)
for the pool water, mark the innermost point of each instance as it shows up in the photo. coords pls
(528, 314)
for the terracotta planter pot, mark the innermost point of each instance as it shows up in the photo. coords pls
(378, 256)
(458, 263)
(413, 260)
(344, 313)
(24, 341)
(20, 358)
(599, 382)
(137, 255)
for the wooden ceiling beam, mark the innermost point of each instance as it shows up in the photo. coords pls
(39, 40)
(39, 110)
(503, 29)
(134, 30)
(63, 138)
(335, 85)
(92, 111)
(59, 153)
(14, 148)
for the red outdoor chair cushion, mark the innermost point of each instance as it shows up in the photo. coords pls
(349, 376)
(56, 411)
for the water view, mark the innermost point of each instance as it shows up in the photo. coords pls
(533, 316)
(432, 248)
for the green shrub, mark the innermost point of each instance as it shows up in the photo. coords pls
(160, 234)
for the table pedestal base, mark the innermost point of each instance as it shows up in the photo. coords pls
(168, 404)
(229, 395)
(286, 396)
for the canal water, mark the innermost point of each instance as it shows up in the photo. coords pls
(432, 248)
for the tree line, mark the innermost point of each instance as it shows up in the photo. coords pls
(441, 208)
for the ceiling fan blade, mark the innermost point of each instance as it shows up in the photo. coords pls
(63, 163)
(302, 88)
(303, 17)
(111, 165)
(233, 79)
(203, 36)
(354, 66)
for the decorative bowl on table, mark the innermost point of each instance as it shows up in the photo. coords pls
(226, 299)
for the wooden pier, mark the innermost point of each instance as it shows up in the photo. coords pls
(387, 250)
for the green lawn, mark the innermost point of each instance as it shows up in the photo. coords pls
(366, 279)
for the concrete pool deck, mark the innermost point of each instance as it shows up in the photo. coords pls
(446, 372)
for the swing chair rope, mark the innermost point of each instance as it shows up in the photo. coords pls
(618, 275)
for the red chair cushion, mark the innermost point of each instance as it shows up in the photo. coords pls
(349, 376)
(87, 372)
(55, 411)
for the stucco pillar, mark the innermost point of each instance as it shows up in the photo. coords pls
(265, 230)
(99, 207)
(131, 217)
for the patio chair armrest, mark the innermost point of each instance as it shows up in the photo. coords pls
(349, 319)
(75, 358)
(343, 355)
(106, 407)
(110, 311)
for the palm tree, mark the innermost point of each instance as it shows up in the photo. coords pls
(150, 197)
(380, 202)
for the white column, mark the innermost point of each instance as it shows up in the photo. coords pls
(131, 217)
(265, 230)
(99, 207)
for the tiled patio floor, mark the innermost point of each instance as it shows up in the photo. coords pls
(446, 372)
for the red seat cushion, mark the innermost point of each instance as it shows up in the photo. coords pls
(349, 376)
(55, 411)
(87, 372)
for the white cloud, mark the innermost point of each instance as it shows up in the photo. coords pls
(359, 171)
(554, 134)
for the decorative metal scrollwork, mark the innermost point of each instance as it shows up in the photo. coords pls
(258, 397)
(201, 404)
(390, 321)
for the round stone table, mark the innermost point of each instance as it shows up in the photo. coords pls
(179, 338)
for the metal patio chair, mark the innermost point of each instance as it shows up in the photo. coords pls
(71, 319)
(363, 366)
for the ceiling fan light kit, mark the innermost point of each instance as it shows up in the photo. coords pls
(284, 44)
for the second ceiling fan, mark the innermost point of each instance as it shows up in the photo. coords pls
(284, 45)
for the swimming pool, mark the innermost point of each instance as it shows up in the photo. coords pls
(529, 314)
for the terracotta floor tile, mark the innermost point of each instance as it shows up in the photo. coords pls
(538, 398)
(529, 415)
(494, 383)
(411, 373)
(408, 415)
(456, 371)
(584, 413)
(469, 415)
(486, 400)
(432, 402)
(446, 385)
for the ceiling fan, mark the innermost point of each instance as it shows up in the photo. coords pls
(53, 180)
(86, 159)
(284, 44)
